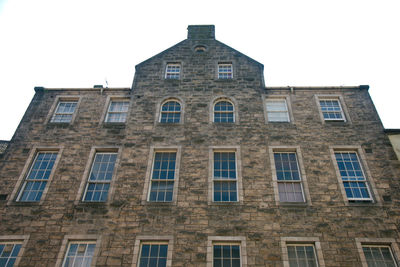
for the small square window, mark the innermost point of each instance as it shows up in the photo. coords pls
(302, 255)
(117, 111)
(64, 112)
(39, 174)
(226, 255)
(153, 254)
(100, 177)
(225, 71)
(277, 110)
(8, 253)
(378, 256)
(331, 110)
(173, 71)
(79, 254)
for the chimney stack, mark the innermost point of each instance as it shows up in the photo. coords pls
(201, 32)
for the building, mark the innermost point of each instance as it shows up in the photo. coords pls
(394, 137)
(200, 164)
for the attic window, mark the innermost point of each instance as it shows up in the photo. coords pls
(200, 49)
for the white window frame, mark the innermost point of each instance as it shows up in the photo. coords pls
(302, 241)
(28, 165)
(377, 242)
(86, 239)
(157, 120)
(161, 111)
(167, 72)
(224, 64)
(285, 98)
(374, 197)
(343, 108)
(85, 178)
(149, 173)
(239, 185)
(227, 240)
(54, 107)
(145, 239)
(115, 98)
(16, 239)
(302, 173)
(219, 98)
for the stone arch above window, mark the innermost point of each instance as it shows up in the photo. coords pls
(171, 111)
(224, 110)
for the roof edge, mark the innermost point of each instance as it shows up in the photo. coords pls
(246, 56)
(389, 131)
(41, 89)
(362, 87)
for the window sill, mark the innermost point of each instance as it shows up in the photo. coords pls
(24, 203)
(293, 204)
(224, 80)
(361, 203)
(155, 203)
(227, 203)
(59, 124)
(119, 125)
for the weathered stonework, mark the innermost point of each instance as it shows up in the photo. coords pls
(192, 221)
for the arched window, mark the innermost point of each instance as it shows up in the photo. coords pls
(224, 111)
(170, 112)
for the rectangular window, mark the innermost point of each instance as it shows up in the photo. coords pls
(163, 177)
(226, 255)
(225, 176)
(277, 110)
(173, 71)
(352, 174)
(117, 111)
(100, 177)
(9, 253)
(379, 256)
(153, 254)
(225, 71)
(79, 254)
(64, 111)
(302, 255)
(289, 177)
(331, 110)
(36, 180)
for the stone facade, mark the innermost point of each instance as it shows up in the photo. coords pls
(260, 223)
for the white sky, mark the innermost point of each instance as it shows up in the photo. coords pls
(80, 43)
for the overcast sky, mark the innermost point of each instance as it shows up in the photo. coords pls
(81, 43)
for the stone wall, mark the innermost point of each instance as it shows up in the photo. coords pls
(259, 217)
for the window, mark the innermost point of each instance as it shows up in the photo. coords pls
(225, 71)
(36, 180)
(288, 177)
(378, 252)
(226, 251)
(302, 255)
(79, 254)
(277, 110)
(170, 112)
(379, 256)
(64, 111)
(100, 177)
(226, 255)
(163, 177)
(153, 254)
(9, 252)
(173, 71)
(225, 177)
(224, 111)
(331, 110)
(302, 251)
(352, 175)
(117, 111)
(153, 251)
